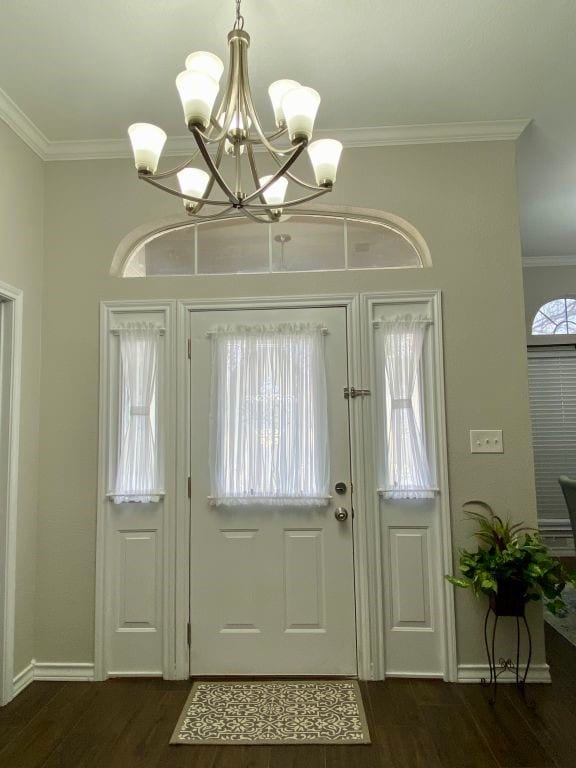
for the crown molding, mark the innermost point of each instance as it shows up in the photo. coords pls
(378, 136)
(568, 260)
(22, 126)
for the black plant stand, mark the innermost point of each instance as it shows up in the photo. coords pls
(504, 665)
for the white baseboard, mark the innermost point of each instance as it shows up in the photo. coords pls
(46, 670)
(23, 679)
(474, 673)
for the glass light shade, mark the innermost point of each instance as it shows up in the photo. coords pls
(147, 143)
(208, 63)
(276, 92)
(325, 156)
(300, 106)
(198, 93)
(237, 122)
(276, 193)
(192, 181)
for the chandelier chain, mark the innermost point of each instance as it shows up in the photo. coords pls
(239, 23)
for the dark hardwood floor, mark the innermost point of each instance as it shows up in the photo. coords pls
(413, 723)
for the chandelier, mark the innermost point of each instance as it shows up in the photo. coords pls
(231, 134)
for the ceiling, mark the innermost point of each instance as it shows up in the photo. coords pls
(83, 70)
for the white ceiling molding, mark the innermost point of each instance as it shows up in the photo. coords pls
(22, 126)
(569, 260)
(379, 136)
(382, 136)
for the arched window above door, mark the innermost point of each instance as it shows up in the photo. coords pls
(319, 240)
(556, 317)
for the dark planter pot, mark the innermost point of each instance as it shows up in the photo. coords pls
(509, 600)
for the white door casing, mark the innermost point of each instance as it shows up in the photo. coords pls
(11, 300)
(271, 589)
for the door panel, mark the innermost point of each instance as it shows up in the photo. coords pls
(272, 588)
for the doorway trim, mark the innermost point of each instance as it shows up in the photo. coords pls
(362, 565)
(11, 301)
(367, 566)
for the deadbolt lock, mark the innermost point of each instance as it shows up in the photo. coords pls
(341, 488)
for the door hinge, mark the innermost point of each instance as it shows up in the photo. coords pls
(352, 392)
(189, 487)
(189, 349)
(189, 634)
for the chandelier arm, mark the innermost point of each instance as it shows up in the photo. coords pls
(290, 203)
(229, 81)
(172, 171)
(151, 180)
(213, 167)
(254, 170)
(254, 115)
(299, 181)
(230, 96)
(280, 172)
(210, 185)
(269, 220)
(212, 217)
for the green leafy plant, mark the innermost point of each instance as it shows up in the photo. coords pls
(511, 556)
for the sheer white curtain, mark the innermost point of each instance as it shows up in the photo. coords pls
(269, 420)
(405, 471)
(137, 471)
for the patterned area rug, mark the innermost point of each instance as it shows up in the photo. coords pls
(567, 625)
(273, 712)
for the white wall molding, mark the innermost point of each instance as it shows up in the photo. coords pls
(474, 673)
(568, 260)
(11, 313)
(50, 670)
(377, 136)
(23, 679)
(22, 126)
(53, 670)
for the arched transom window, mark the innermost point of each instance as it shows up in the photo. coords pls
(303, 242)
(556, 317)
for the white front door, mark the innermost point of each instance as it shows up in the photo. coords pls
(271, 586)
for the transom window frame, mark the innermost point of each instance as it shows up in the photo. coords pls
(138, 237)
(568, 320)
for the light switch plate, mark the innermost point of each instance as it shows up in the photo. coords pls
(486, 441)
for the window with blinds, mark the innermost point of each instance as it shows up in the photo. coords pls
(552, 382)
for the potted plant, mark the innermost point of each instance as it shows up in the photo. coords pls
(511, 565)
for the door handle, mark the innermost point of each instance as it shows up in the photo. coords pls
(341, 514)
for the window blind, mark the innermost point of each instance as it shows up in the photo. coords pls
(552, 383)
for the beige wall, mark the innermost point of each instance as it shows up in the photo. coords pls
(21, 256)
(462, 198)
(542, 284)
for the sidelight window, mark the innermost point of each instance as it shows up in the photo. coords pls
(405, 471)
(137, 467)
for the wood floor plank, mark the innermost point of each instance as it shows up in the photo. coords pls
(357, 756)
(15, 716)
(407, 747)
(552, 720)
(298, 756)
(110, 711)
(393, 703)
(413, 724)
(510, 738)
(458, 741)
(32, 746)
